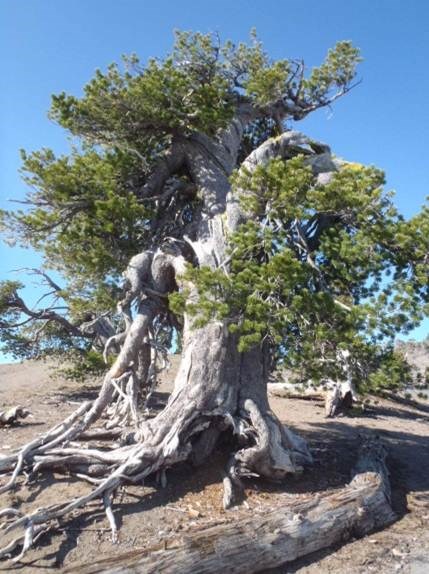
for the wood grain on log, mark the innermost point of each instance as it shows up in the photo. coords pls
(275, 537)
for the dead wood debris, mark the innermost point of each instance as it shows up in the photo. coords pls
(12, 416)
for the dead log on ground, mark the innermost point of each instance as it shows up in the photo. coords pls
(292, 392)
(275, 537)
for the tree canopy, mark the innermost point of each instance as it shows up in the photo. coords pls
(323, 262)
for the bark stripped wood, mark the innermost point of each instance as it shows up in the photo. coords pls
(339, 398)
(291, 391)
(282, 393)
(11, 416)
(274, 537)
(340, 394)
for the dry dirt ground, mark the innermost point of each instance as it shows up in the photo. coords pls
(192, 498)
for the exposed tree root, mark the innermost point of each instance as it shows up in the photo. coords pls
(161, 442)
(278, 536)
(119, 398)
(134, 369)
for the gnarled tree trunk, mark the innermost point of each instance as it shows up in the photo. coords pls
(217, 389)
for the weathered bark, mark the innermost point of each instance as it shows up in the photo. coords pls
(339, 399)
(341, 395)
(217, 388)
(277, 536)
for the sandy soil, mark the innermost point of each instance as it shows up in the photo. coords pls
(192, 498)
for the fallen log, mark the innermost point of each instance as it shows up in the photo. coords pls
(275, 537)
(279, 390)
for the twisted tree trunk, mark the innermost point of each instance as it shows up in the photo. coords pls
(217, 388)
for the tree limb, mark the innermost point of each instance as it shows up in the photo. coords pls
(169, 163)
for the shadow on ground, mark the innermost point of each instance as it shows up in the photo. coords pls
(334, 444)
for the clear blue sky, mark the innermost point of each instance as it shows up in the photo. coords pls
(48, 46)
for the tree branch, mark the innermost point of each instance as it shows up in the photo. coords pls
(283, 146)
(17, 303)
(169, 163)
